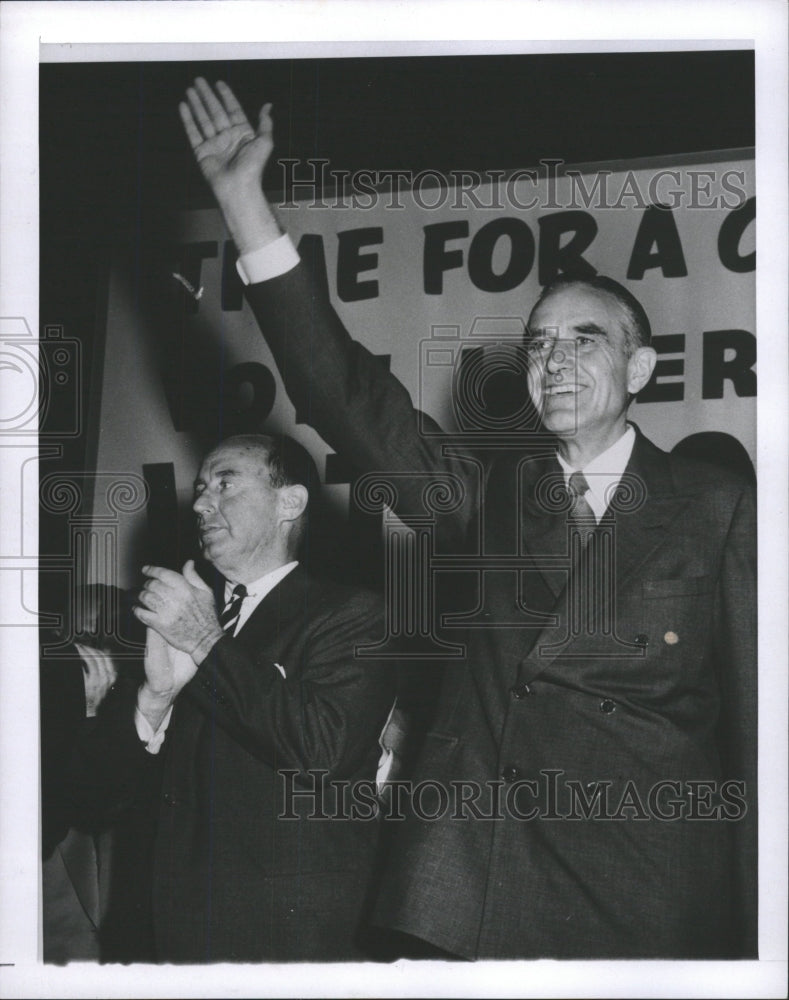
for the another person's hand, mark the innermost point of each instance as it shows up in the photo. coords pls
(100, 674)
(180, 608)
(230, 153)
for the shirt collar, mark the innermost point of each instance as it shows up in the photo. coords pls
(258, 589)
(604, 472)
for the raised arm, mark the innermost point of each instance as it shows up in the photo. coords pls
(345, 393)
(232, 157)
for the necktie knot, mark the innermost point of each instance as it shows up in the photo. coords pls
(229, 617)
(580, 509)
(578, 484)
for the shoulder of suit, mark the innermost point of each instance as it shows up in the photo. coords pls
(332, 593)
(695, 475)
(698, 475)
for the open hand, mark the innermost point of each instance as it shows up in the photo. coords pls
(229, 152)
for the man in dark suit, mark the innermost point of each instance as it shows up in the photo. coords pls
(603, 722)
(246, 719)
(71, 690)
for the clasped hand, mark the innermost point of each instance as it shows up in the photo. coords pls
(180, 608)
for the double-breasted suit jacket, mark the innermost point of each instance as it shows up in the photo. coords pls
(623, 751)
(247, 863)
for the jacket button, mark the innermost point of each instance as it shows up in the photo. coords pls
(520, 691)
(510, 774)
(169, 800)
(641, 639)
(607, 706)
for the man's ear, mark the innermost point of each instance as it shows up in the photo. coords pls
(640, 366)
(292, 501)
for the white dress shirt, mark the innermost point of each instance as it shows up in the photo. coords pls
(604, 473)
(267, 262)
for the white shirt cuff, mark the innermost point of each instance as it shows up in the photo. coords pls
(152, 740)
(268, 262)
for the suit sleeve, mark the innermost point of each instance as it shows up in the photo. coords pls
(735, 630)
(327, 715)
(350, 398)
(62, 705)
(107, 768)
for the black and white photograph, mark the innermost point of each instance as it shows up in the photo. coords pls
(389, 607)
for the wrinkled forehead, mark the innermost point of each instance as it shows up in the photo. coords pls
(577, 306)
(239, 457)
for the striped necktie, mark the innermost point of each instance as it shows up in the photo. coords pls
(229, 617)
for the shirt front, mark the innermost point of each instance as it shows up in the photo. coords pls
(604, 473)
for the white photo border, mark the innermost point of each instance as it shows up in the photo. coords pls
(142, 31)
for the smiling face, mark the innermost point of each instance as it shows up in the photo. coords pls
(239, 512)
(581, 375)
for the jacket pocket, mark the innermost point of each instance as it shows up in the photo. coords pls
(685, 587)
(436, 756)
(447, 739)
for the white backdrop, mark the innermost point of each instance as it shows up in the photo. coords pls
(402, 250)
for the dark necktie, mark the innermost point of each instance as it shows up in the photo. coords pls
(229, 617)
(580, 509)
(580, 515)
(588, 583)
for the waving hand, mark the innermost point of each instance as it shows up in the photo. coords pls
(232, 157)
(226, 147)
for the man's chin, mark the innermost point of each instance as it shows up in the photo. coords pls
(211, 546)
(561, 424)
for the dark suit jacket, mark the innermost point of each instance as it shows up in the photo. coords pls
(668, 696)
(232, 879)
(70, 887)
(62, 710)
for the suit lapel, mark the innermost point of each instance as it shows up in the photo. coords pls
(544, 524)
(281, 605)
(642, 526)
(641, 522)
